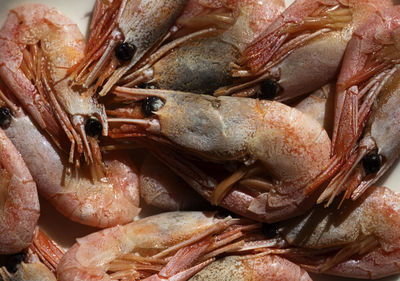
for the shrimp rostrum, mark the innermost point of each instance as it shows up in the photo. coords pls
(308, 35)
(360, 240)
(37, 47)
(268, 139)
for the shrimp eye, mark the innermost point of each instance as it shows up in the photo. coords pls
(93, 127)
(372, 163)
(269, 89)
(151, 104)
(270, 230)
(5, 117)
(13, 261)
(125, 51)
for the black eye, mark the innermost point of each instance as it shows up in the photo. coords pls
(269, 89)
(5, 117)
(270, 230)
(93, 127)
(125, 51)
(13, 261)
(372, 163)
(151, 104)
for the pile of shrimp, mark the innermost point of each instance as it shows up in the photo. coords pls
(200, 140)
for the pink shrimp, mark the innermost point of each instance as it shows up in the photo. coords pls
(18, 200)
(175, 244)
(262, 137)
(302, 49)
(37, 47)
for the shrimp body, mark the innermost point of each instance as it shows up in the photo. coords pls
(18, 200)
(72, 191)
(134, 27)
(151, 239)
(306, 30)
(38, 45)
(252, 267)
(366, 91)
(363, 236)
(290, 147)
(202, 64)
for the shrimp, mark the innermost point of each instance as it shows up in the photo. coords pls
(308, 35)
(18, 200)
(252, 267)
(262, 136)
(37, 47)
(161, 188)
(28, 272)
(72, 191)
(169, 244)
(361, 240)
(130, 29)
(367, 89)
(202, 64)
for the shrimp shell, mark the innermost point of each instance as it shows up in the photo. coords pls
(19, 200)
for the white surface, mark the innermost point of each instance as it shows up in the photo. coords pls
(79, 11)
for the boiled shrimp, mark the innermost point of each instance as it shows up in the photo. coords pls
(18, 200)
(361, 240)
(72, 191)
(252, 267)
(175, 244)
(366, 91)
(267, 137)
(37, 47)
(128, 28)
(203, 64)
(308, 35)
